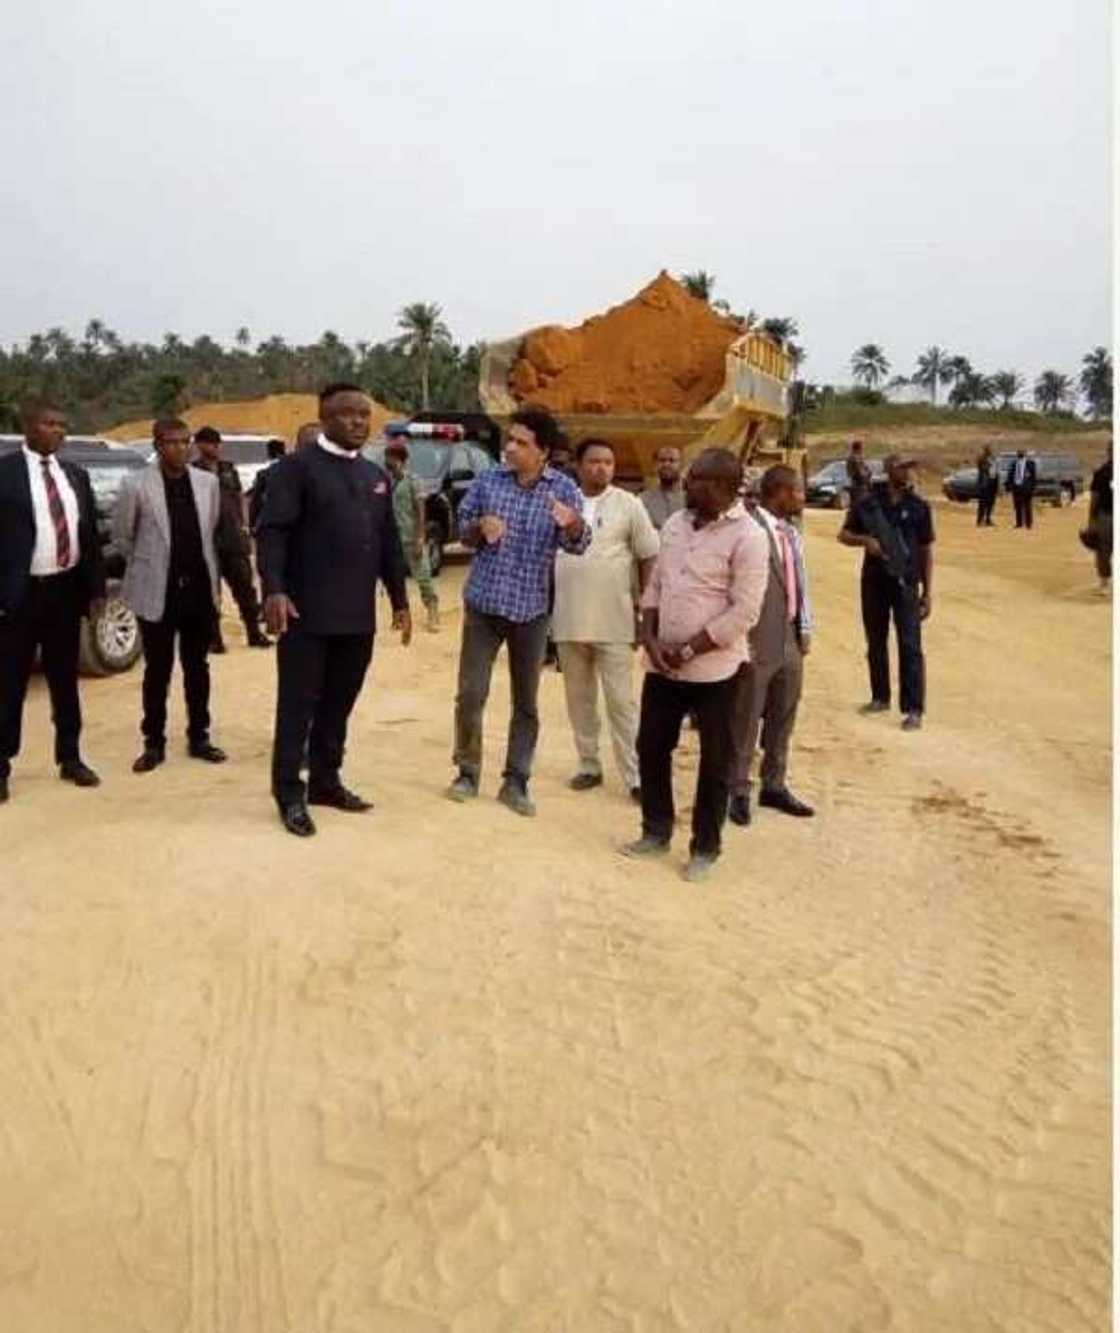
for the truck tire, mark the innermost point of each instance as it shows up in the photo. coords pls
(112, 643)
(1066, 495)
(435, 543)
(841, 500)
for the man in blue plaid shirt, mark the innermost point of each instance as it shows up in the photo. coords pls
(515, 518)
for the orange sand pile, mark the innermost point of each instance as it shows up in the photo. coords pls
(661, 351)
(280, 414)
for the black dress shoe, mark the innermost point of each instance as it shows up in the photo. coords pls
(739, 810)
(81, 775)
(784, 800)
(217, 645)
(151, 758)
(210, 754)
(258, 640)
(586, 781)
(296, 820)
(340, 799)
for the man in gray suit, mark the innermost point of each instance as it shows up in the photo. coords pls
(165, 524)
(769, 687)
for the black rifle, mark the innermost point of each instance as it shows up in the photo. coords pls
(896, 554)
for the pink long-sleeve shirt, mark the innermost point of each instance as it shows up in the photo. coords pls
(711, 578)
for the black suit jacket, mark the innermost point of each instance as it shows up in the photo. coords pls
(17, 533)
(1030, 477)
(326, 536)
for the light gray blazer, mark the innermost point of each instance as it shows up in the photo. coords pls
(142, 533)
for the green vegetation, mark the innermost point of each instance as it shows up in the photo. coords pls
(101, 380)
(838, 412)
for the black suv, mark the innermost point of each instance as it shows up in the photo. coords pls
(112, 642)
(446, 471)
(1060, 478)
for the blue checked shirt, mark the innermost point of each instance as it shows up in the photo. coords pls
(512, 577)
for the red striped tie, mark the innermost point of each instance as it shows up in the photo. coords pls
(58, 517)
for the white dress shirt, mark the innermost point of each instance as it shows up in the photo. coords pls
(44, 558)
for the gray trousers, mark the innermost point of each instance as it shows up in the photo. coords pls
(483, 636)
(767, 697)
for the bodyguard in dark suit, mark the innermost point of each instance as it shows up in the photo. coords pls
(1022, 478)
(326, 535)
(51, 575)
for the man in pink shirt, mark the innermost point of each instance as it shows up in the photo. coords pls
(704, 596)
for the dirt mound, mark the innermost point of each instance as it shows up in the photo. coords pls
(661, 351)
(279, 414)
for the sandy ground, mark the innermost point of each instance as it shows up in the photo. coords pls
(441, 1069)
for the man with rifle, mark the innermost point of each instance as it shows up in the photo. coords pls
(895, 528)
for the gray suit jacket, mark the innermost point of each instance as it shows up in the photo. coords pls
(142, 533)
(768, 637)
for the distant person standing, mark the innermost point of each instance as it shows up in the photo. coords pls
(703, 597)
(562, 457)
(514, 518)
(1100, 521)
(408, 509)
(769, 689)
(1022, 478)
(166, 525)
(667, 497)
(276, 450)
(859, 473)
(894, 526)
(325, 540)
(987, 487)
(51, 575)
(234, 545)
(594, 620)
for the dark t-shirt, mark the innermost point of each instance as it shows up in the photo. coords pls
(188, 579)
(911, 517)
(1101, 488)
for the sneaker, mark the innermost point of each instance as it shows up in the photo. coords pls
(515, 796)
(876, 706)
(699, 867)
(646, 847)
(464, 788)
(586, 781)
(912, 722)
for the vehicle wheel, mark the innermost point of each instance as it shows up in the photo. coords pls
(112, 643)
(435, 548)
(841, 500)
(1065, 498)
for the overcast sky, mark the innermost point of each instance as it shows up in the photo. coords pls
(901, 172)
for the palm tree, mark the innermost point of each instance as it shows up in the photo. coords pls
(971, 389)
(1006, 384)
(933, 369)
(780, 327)
(1052, 390)
(796, 355)
(700, 284)
(423, 329)
(869, 365)
(94, 335)
(1096, 382)
(242, 338)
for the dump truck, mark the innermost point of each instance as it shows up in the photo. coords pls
(755, 413)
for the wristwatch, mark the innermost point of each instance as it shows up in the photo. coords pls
(688, 653)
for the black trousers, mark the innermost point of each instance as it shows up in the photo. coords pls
(237, 570)
(985, 505)
(665, 704)
(190, 618)
(50, 620)
(319, 678)
(881, 598)
(1024, 508)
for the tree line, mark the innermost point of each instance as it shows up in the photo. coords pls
(100, 379)
(1052, 391)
